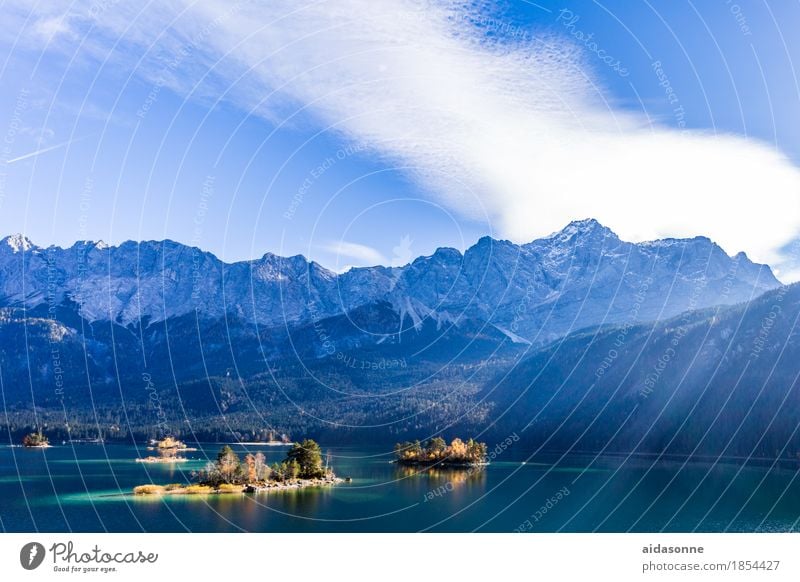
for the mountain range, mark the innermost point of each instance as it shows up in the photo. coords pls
(475, 340)
(579, 276)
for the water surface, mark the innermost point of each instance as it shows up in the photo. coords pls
(86, 488)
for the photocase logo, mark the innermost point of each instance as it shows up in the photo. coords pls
(31, 555)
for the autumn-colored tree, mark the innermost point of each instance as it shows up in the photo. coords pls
(437, 451)
(229, 465)
(408, 450)
(250, 465)
(169, 447)
(260, 467)
(457, 449)
(35, 439)
(476, 452)
(436, 447)
(170, 443)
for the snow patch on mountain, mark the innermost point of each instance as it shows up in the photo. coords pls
(582, 275)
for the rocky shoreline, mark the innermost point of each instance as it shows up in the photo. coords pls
(179, 489)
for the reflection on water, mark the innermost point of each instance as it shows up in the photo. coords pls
(88, 488)
(455, 475)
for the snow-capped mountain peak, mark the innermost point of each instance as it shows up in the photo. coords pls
(18, 243)
(582, 275)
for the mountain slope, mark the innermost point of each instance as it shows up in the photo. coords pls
(584, 275)
(134, 332)
(722, 381)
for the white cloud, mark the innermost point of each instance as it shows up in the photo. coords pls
(518, 131)
(50, 28)
(363, 254)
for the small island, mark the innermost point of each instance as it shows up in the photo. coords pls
(302, 467)
(35, 440)
(437, 452)
(169, 451)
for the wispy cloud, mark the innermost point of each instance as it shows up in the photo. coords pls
(50, 28)
(357, 253)
(518, 123)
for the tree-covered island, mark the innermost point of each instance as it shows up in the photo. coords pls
(437, 452)
(302, 467)
(35, 440)
(169, 450)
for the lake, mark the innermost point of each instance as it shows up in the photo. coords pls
(85, 488)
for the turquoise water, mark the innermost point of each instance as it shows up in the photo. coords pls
(86, 488)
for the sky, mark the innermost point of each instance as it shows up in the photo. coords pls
(361, 132)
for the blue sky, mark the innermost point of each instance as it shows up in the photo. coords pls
(360, 132)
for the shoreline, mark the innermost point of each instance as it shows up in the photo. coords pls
(166, 490)
(266, 444)
(441, 464)
(157, 460)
